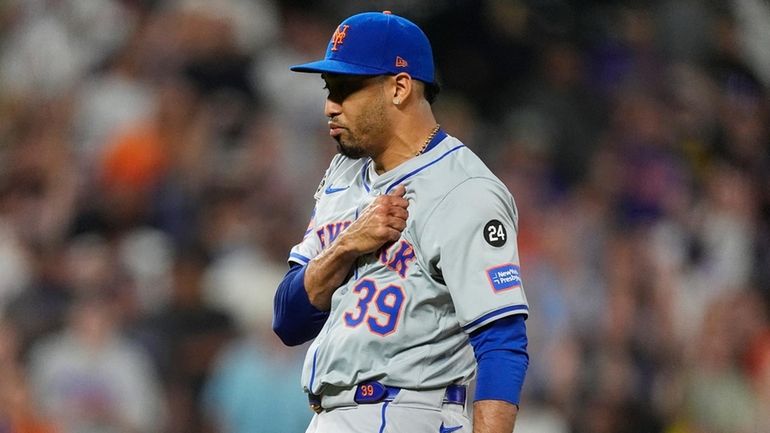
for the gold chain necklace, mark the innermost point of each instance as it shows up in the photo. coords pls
(428, 140)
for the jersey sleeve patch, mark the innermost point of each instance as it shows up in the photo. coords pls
(317, 195)
(504, 277)
(495, 233)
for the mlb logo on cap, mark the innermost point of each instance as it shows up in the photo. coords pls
(376, 43)
(339, 36)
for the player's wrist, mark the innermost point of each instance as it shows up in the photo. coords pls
(345, 249)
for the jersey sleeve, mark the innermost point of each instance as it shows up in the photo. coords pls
(310, 246)
(473, 236)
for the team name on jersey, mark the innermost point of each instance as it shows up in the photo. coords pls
(329, 232)
(396, 256)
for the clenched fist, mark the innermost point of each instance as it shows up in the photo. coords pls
(381, 222)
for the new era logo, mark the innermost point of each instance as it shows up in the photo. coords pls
(400, 62)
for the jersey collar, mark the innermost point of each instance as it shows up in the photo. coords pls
(389, 180)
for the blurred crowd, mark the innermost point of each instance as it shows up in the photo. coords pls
(158, 160)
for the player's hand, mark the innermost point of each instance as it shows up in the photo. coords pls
(381, 222)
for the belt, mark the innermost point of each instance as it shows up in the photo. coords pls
(374, 392)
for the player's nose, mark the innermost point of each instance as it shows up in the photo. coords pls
(332, 109)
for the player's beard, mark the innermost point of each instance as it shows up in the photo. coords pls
(350, 150)
(358, 140)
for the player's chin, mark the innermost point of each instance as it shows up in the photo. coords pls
(351, 151)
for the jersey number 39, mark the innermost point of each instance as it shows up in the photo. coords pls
(388, 302)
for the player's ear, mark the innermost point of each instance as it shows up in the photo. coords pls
(402, 88)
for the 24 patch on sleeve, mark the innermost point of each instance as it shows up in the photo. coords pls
(495, 234)
(504, 277)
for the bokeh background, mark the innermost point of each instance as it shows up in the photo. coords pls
(158, 160)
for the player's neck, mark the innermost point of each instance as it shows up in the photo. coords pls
(409, 138)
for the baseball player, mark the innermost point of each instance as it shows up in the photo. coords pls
(408, 275)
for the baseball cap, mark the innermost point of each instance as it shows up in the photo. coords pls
(376, 43)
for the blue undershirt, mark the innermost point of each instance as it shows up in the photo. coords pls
(295, 319)
(501, 354)
(500, 347)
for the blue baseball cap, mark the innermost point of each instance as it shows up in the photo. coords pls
(376, 43)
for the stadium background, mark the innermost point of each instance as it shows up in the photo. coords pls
(158, 160)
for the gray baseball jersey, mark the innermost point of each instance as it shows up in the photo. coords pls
(403, 315)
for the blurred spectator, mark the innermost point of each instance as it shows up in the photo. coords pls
(184, 337)
(110, 103)
(89, 379)
(293, 122)
(146, 256)
(52, 44)
(719, 398)
(18, 411)
(242, 282)
(40, 186)
(40, 309)
(241, 278)
(137, 160)
(247, 391)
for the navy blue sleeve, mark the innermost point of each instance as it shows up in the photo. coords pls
(501, 354)
(295, 319)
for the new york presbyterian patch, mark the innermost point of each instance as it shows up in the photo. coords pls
(504, 277)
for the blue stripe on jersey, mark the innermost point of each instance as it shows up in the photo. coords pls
(363, 175)
(383, 423)
(413, 172)
(300, 257)
(493, 314)
(312, 371)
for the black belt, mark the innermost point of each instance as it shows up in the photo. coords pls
(375, 392)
